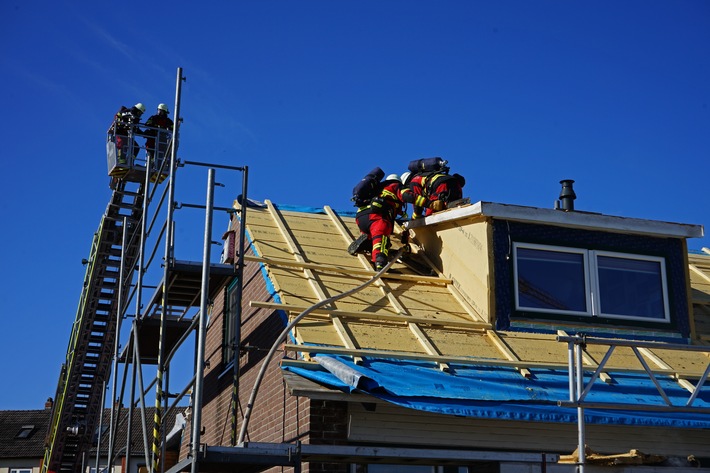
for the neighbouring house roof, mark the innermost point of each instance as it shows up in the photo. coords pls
(23, 433)
(413, 340)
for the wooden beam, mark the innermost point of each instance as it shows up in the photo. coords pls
(699, 272)
(281, 224)
(418, 333)
(381, 317)
(658, 361)
(331, 350)
(507, 352)
(344, 270)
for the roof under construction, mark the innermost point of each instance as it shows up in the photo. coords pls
(426, 339)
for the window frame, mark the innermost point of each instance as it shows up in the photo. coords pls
(25, 432)
(592, 285)
(230, 314)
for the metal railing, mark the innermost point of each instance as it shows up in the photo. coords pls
(579, 388)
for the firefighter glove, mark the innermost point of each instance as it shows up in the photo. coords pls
(437, 205)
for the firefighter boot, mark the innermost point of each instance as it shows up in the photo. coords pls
(380, 261)
(359, 245)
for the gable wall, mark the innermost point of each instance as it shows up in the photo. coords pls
(461, 251)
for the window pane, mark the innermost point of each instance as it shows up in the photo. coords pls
(551, 280)
(630, 287)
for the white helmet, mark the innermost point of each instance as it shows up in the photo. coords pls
(140, 107)
(163, 107)
(392, 177)
(405, 176)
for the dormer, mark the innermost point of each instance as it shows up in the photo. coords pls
(538, 269)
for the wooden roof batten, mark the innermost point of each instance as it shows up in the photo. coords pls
(421, 337)
(310, 276)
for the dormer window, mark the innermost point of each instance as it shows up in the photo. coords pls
(580, 282)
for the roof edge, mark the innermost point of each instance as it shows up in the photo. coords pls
(571, 219)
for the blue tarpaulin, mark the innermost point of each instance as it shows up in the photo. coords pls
(503, 393)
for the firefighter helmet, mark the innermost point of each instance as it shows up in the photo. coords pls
(163, 107)
(405, 177)
(140, 107)
(392, 177)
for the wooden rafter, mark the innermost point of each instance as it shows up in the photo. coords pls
(310, 276)
(416, 330)
(658, 361)
(380, 317)
(505, 350)
(350, 271)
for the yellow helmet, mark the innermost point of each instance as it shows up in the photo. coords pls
(140, 107)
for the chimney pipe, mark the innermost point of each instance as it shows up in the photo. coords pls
(567, 196)
(49, 403)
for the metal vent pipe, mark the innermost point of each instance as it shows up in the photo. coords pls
(567, 195)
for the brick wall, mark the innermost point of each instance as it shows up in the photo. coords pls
(277, 416)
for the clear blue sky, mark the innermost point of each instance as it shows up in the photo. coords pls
(311, 95)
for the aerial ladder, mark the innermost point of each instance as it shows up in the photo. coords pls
(116, 245)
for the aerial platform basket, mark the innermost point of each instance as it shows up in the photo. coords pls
(133, 166)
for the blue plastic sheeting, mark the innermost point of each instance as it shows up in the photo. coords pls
(503, 393)
(296, 208)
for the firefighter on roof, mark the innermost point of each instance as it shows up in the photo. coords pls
(438, 186)
(376, 219)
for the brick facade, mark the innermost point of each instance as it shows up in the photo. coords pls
(277, 416)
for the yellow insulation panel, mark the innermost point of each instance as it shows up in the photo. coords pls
(319, 239)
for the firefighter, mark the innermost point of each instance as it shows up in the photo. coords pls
(156, 126)
(376, 219)
(124, 128)
(438, 187)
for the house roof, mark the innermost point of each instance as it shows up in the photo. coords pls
(23, 433)
(419, 320)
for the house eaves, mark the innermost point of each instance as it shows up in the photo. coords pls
(570, 219)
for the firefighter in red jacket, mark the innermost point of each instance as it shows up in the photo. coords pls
(438, 187)
(158, 125)
(376, 219)
(124, 129)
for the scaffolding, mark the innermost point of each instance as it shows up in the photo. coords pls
(139, 221)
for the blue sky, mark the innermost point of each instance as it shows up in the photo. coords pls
(311, 95)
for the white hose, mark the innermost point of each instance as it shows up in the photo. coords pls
(289, 326)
